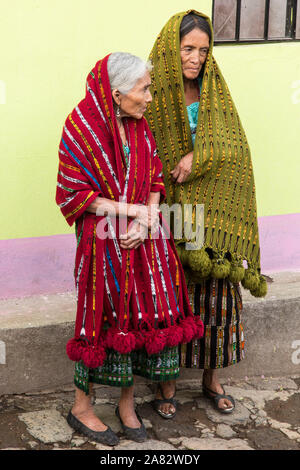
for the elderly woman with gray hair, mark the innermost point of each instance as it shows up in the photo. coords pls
(132, 302)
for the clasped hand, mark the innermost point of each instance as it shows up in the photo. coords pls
(147, 219)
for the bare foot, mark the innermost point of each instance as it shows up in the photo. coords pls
(168, 389)
(89, 419)
(210, 381)
(127, 413)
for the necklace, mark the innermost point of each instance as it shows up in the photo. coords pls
(122, 131)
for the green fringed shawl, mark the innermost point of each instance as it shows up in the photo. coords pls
(222, 174)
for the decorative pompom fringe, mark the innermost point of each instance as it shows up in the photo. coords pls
(110, 337)
(251, 279)
(194, 276)
(220, 268)
(123, 342)
(155, 341)
(139, 339)
(189, 329)
(200, 328)
(237, 272)
(74, 349)
(206, 263)
(174, 335)
(196, 324)
(93, 356)
(262, 289)
(183, 255)
(200, 262)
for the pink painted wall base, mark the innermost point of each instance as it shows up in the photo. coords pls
(40, 265)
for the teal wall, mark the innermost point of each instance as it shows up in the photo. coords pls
(51, 45)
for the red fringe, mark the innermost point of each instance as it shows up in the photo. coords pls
(109, 337)
(189, 329)
(174, 335)
(155, 341)
(124, 342)
(139, 339)
(74, 349)
(200, 327)
(93, 356)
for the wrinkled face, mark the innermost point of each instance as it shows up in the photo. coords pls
(134, 104)
(194, 48)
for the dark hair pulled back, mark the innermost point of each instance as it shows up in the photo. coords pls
(192, 21)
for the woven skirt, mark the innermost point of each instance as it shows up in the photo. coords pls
(118, 369)
(218, 302)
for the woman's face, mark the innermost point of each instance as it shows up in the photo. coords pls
(134, 104)
(194, 48)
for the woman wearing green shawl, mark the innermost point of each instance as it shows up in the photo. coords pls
(206, 160)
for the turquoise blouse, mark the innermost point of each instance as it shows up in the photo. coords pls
(126, 153)
(193, 111)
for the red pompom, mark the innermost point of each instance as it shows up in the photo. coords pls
(155, 341)
(110, 337)
(93, 356)
(200, 328)
(74, 349)
(139, 339)
(189, 329)
(124, 342)
(174, 335)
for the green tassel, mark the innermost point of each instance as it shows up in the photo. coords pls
(200, 262)
(220, 266)
(262, 289)
(198, 277)
(251, 279)
(183, 255)
(237, 272)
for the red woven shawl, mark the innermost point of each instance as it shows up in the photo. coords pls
(126, 299)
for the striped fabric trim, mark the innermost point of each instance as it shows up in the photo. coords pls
(218, 302)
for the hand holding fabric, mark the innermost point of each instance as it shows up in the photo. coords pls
(183, 169)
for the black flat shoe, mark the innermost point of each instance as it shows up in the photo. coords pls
(107, 437)
(134, 434)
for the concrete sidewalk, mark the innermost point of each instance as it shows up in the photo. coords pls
(36, 381)
(267, 417)
(34, 331)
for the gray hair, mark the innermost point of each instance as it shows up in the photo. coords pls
(124, 70)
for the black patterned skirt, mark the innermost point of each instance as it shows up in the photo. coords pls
(219, 304)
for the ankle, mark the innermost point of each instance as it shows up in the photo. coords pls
(126, 403)
(208, 379)
(167, 388)
(82, 406)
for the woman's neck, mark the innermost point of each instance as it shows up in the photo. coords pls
(121, 130)
(191, 90)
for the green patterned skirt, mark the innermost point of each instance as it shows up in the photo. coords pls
(118, 369)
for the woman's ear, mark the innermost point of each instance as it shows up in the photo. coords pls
(116, 96)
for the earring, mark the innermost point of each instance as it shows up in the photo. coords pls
(118, 112)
